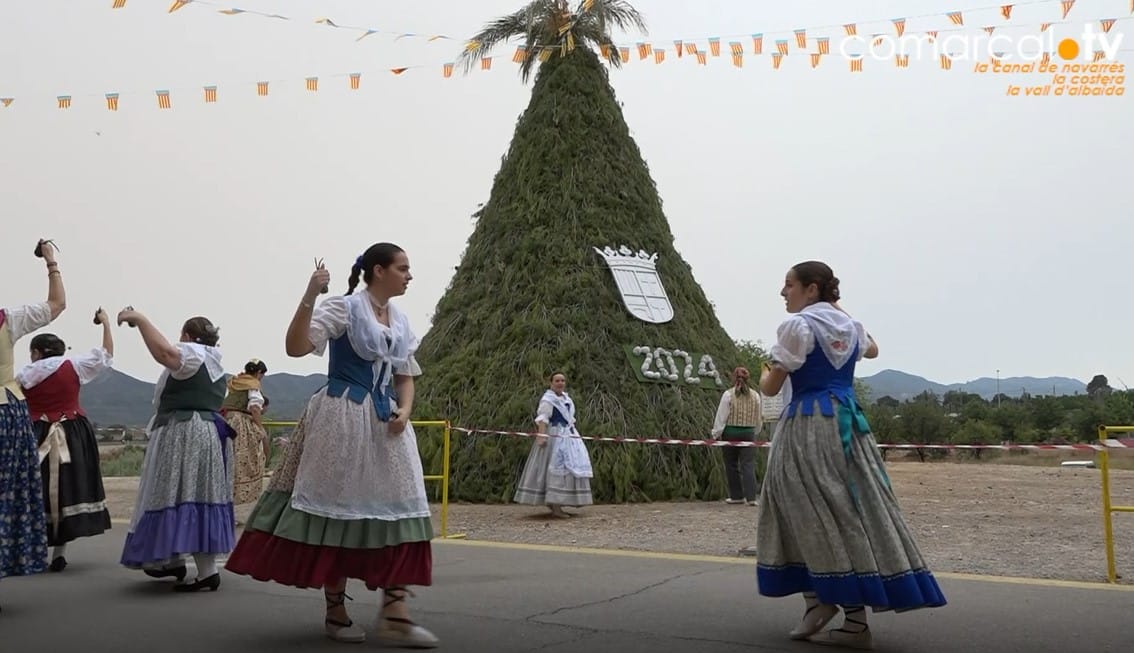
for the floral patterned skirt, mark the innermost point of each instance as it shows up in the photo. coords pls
(23, 524)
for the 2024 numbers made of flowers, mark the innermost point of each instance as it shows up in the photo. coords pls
(662, 364)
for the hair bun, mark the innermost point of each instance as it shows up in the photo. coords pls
(834, 286)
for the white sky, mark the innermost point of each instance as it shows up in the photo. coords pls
(972, 231)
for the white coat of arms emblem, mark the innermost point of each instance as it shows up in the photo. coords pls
(637, 277)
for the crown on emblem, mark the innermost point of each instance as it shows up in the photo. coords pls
(625, 256)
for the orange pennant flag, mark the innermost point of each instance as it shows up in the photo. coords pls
(163, 100)
(447, 70)
(801, 38)
(932, 34)
(1045, 59)
(781, 47)
(1099, 56)
(856, 64)
(399, 71)
(715, 46)
(112, 101)
(677, 46)
(313, 83)
(957, 18)
(902, 60)
(355, 81)
(1006, 11)
(824, 45)
(1044, 26)
(261, 88)
(738, 59)
(659, 55)
(900, 25)
(690, 48)
(644, 50)
(545, 54)
(757, 44)
(624, 54)
(486, 63)
(776, 59)
(64, 101)
(946, 62)
(522, 53)
(736, 48)
(1067, 4)
(815, 56)
(851, 28)
(1106, 24)
(118, 4)
(702, 58)
(7, 101)
(990, 28)
(210, 94)
(177, 4)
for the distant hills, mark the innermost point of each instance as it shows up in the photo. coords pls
(117, 398)
(902, 386)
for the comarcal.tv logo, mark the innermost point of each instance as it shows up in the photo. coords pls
(1081, 64)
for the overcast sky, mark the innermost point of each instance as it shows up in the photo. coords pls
(972, 231)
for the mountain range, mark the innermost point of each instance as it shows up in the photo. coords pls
(116, 398)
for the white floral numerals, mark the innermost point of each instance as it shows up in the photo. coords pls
(665, 363)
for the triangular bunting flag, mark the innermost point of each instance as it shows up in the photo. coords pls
(1006, 11)
(1067, 4)
(112, 101)
(163, 100)
(900, 25)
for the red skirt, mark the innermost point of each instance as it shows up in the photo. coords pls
(266, 557)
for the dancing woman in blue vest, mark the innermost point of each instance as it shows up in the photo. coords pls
(829, 525)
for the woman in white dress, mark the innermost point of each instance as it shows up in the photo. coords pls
(558, 470)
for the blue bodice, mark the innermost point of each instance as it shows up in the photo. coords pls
(351, 375)
(817, 380)
(557, 418)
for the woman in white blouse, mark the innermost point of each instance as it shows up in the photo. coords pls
(23, 524)
(68, 449)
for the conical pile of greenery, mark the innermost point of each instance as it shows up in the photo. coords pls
(531, 296)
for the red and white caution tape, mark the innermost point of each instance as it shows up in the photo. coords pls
(1127, 443)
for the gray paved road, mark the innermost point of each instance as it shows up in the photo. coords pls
(518, 599)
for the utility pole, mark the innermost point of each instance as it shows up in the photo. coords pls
(998, 388)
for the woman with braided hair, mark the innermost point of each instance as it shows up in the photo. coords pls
(349, 499)
(829, 526)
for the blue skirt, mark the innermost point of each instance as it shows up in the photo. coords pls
(23, 523)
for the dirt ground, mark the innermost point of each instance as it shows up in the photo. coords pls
(988, 518)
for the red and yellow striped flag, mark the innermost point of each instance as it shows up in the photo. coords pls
(7, 101)
(112, 101)
(715, 46)
(398, 71)
(64, 101)
(1006, 11)
(736, 47)
(815, 57)
(447, 70)
(902, 60)
(521, 53)
(801, 38)
(989, 28)
(659, 55)
(738, 59)
(313, 83)
(856, 64)
(355, 81)
(690, 48)
(177, 4)
(210, 94)
(1099, 56)
(758, 43)
(1044, 26)
(900, 25)
(932, 34)
(1045, 59)
(677, 46)
(781, 47)
(604, 51)
(261, 88)
(163, 100)
(1067, 4)
(118, 4)
(776, 59)
(851, 28)
(486, 63)
(644, 50)
(1106, 24)
(957, 17)
(624, 54)
(824, 45)
(545, 54)
(946, 62)
(702, 57)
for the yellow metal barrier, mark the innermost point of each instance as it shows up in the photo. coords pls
(1105, 433)
(443, 476)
